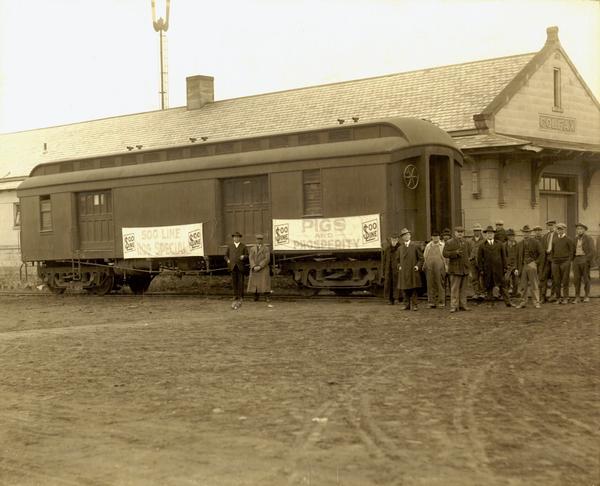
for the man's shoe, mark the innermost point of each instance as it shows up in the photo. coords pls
(415, 307)
(405, 307)
(453, 309)
(520, 306)
(537, 306)
(576, 300)
(431, 306)
(390, 302)
(586, 299)
(441, 306)
(464, 309)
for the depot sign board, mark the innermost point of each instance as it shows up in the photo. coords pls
(163, 241)
(348, 233)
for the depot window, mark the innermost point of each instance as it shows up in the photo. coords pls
(45, 213)
(311, 181)
(557, 93)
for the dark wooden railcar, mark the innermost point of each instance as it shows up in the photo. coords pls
(407, 170)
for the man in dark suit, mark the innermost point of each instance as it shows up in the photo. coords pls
(546, 270)
(390, 268)
(410, 262)
(236, 257)
(583, 258)
(563, 251)
(458, 251)
(493, 263)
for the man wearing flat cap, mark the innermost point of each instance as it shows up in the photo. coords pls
(458, 251)
(259, 281)
(493, 262)
(546, 271)
(530, 256)
(582, 262)
(390, 268)
(563, 250)
(511, 276)
(410, 262)
(236, 256)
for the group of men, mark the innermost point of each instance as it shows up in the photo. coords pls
(491, 259)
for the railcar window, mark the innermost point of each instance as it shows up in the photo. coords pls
(45, 213)
(16, 215)
(312, 192)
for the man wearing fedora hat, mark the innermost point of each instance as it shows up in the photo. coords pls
(530, 256)
(458, 250)
(511, 276)
(582, 262)
(390, 268)
(236, 256)
(259, 281)
(563, 250)
(493, 264)
(410, 262)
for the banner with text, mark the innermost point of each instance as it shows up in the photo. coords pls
(349, 233)
(163, 241)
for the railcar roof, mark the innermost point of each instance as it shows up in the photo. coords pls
(409, 133)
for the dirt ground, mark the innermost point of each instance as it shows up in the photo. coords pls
(182, 390)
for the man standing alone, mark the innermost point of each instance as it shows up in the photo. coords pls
(458, 250)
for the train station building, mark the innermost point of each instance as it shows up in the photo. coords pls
(528, 126)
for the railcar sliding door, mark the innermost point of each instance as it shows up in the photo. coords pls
(96, 232)
(246, 207)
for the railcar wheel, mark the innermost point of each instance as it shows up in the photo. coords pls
(105, 285)
(343, 292)
(52, 285)
(307, 291)
(139, 284)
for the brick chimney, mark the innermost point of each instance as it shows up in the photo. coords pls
(200, 91)
(552, 35)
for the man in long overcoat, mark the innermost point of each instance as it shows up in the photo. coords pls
(390, 269)
(493, 263)
(410, 262)
(259, 281)
(458, 251)
(236, 257)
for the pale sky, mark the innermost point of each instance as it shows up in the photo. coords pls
(65, 61)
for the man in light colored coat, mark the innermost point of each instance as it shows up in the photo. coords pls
(435, 268)
(259, 281)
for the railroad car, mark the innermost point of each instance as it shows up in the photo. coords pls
(73, 211)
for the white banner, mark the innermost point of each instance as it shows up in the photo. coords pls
(163, 241)
(350, 233)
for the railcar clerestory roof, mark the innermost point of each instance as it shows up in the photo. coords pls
(403, 133)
